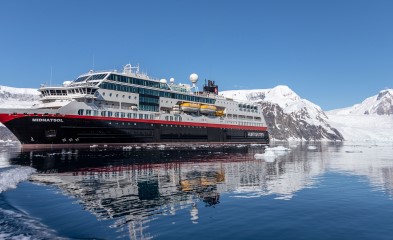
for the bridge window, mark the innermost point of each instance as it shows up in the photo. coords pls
(80, 79)
(97, 76)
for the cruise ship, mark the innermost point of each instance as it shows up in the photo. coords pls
(128, 106)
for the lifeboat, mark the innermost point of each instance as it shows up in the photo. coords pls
(189, 107)
(220, 113)
(208, 109)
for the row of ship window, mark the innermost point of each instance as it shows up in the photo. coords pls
(59, 92)
(137, 81)
(89, 112)
(151, 92)
(246, 106)
(146, 116)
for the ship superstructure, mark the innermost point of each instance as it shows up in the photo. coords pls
(131, 107)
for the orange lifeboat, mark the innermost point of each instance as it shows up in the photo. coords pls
(208, 109)
(189, 107)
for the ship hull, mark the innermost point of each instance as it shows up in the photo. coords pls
(74, 129)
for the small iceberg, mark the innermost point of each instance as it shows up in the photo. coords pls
(271, 154)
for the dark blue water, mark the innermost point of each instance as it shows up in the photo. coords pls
(323, 191)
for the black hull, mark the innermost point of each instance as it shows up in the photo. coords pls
(32, 130)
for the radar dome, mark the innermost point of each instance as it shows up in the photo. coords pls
(66, 83)
(194, 78)
(163, 80)
(171, 80)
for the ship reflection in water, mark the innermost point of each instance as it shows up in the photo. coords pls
(137, 186)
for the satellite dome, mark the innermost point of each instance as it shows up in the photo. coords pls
(194, 77)
(66, 83)
(163, 80)
(171, 80)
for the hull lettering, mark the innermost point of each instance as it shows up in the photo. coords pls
(49, 120)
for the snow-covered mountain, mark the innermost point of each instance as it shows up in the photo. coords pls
(16, 98)
(380, 104)
(371, 120)
(287, 115)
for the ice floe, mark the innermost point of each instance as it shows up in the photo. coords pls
(271, 154)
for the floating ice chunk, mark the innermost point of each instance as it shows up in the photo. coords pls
(278, 148)
(311, 147)
(271, 154)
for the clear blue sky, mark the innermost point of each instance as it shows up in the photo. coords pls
(334, 53)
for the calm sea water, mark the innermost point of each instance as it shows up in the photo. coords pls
(303, 191)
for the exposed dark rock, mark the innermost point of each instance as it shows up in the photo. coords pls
(283, 126)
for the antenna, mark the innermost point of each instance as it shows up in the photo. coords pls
(51, 73)
(194, 79)
(93, 62)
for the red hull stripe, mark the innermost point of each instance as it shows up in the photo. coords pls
(8, 117)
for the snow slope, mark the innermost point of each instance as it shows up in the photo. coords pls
(18, 97)
(371, 120)
(380, 104)
(363, 127)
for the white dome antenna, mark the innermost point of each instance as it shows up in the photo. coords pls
(163, 80)
(66, 83)
(172, 80)
(194, 79)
